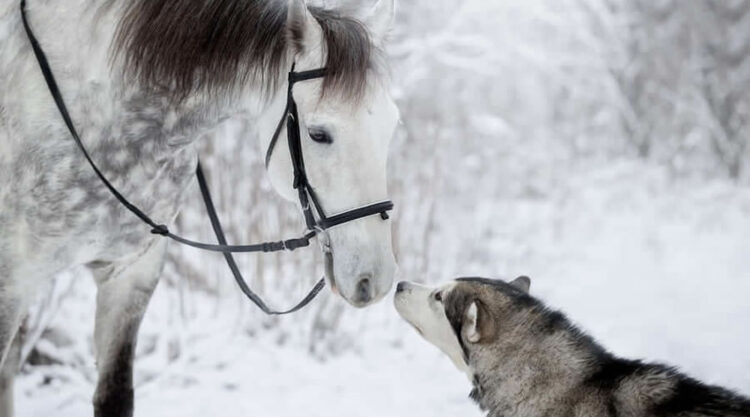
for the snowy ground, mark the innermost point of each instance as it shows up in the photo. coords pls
(221, 369)
(237, 376)
(652, 268)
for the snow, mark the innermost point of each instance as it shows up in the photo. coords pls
(240, 377)
(520, 153)
(224, 369)
(651, 269)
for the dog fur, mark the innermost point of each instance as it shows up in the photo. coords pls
(526, 360)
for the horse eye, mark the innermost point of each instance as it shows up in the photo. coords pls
(438, 296)
(320, 135)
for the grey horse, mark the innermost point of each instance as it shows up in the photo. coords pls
(142, 80)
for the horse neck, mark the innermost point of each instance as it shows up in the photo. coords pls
(77, 37)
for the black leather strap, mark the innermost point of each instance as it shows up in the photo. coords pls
(305, 190)
(162, 229)
(57, 96)
(275, 137)
(219, 231)
(381, 208)
(293, 78)
(156, 228)
(296, 76)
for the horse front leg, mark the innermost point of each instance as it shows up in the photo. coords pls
(11, 313)
(8, 369)
(124, 289)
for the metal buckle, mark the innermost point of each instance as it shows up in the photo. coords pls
(324, 240)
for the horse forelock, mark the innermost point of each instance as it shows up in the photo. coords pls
(181, 47)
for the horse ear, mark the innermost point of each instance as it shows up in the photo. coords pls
(379, 20)
(299, 25)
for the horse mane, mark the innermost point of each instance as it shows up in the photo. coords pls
(181, 47)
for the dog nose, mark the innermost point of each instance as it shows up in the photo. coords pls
(364, 289)
(401, 286)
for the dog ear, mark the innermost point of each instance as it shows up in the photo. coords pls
(471, 330)
(477, 326)
(522, 283)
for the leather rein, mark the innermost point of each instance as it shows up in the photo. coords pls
(316, 220)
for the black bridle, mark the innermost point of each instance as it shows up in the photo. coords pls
(301, 183)
(316, 225)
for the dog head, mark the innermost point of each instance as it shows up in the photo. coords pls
(462, 315)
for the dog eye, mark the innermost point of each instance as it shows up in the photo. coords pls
(320, 135)
(438, 296)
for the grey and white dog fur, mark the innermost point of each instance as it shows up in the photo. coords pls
(143, 81)
(526, 360)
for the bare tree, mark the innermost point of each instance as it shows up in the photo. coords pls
(722, 36)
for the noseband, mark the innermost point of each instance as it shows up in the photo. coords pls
(315, 225)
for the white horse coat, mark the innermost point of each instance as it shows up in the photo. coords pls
(55, 213)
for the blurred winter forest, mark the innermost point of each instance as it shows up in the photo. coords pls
(599, 146)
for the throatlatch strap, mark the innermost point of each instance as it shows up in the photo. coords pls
(275, 137)
(293, 78)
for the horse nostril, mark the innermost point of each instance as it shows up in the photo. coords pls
(363, 290)
(401, 286)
